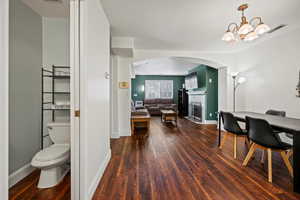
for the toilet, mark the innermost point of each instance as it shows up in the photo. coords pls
(53, 160)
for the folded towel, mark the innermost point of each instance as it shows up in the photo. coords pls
(60, 106)
(62, 103)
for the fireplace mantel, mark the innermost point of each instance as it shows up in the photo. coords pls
(197, 92)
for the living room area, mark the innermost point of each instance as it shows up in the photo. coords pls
(172, 88)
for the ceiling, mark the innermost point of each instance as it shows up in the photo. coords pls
(195, 25)
(167, 66)
(49, 8)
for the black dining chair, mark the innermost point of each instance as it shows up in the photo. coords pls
(281, 114)
(284, 135)
(232, 128)
(261, 134)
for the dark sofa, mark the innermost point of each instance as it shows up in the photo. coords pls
(155, 105)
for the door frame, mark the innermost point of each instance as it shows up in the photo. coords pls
(4, 92)
(75, 97)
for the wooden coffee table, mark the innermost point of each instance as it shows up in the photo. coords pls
(169, 116)
(138, 119)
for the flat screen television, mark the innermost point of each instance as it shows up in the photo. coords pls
(191, 81)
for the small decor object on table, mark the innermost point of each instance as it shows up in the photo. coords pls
(298, 87)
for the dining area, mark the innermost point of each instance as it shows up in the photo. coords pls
(267, 132)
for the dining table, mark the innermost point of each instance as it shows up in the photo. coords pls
(282, 124)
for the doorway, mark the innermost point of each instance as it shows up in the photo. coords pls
(39, 99)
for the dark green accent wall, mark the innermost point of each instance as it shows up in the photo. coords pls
(139, 81)
(201, 75)
(212, 94)
(205, 74)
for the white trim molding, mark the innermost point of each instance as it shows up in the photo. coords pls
(99, 175)
(115, 135)
(210, 122)
(20, 174)
(125, 133)
(4, 76)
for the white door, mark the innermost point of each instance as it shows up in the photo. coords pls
(75, 99)
(94, 66)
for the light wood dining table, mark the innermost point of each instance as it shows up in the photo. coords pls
(284, 124)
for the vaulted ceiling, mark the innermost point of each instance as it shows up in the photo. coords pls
(195, 25)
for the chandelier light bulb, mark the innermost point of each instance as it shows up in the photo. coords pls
(245, 29)
(262, 29)
(228, 37)
(251, 36)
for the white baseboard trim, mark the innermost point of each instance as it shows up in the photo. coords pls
(125, 133)
(115, 135)
(99, 175)
(211, 122)
(20, 174)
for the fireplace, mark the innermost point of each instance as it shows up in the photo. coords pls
(196, 111)
(197, 106)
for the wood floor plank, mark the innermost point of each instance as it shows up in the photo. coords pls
(27, 189)
(184, 162)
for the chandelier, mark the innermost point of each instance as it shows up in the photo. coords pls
(246, 31)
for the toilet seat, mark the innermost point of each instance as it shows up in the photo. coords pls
(51, 156)
(53, 152)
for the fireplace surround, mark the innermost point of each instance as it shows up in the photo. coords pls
(197, 106)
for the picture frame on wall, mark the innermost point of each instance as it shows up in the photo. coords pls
(123, 85)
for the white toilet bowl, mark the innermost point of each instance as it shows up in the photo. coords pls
(53, 164)
(53, 160)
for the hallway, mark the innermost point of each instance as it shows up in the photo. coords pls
(184, 163)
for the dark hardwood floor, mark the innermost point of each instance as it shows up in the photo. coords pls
(184, 163)
(27, 189)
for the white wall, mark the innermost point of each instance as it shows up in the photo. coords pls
(56, 52)
(4, 34)
(114, 98)
(55, 41)
(272, 72)
(94, 96)
(124, 95)
(25, 60)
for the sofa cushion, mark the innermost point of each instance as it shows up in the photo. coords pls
(150, 101)
(165, 101)
(153, 108)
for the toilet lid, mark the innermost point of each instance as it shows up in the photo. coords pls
(53, 152)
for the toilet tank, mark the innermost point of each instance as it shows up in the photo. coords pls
(59, 132)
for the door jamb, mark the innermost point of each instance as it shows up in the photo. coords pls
(75, 98)
(4, 95)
